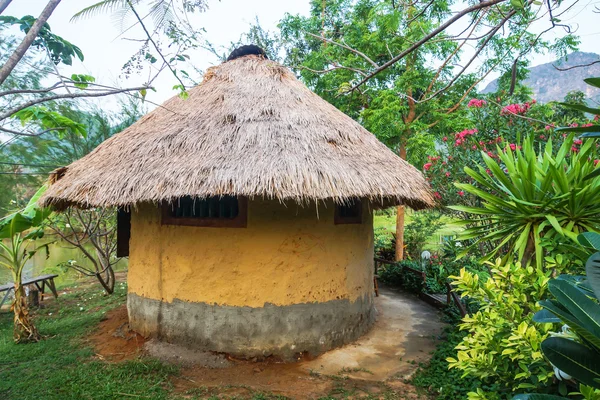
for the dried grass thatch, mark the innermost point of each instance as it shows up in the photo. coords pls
(250, 128)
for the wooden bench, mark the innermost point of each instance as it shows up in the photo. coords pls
(40, 282)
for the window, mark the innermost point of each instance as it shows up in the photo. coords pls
(349, 213)
(216, 211)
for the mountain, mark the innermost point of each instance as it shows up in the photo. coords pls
(550, 84)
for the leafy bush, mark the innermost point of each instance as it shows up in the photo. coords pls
(385, 244)
(503, 343)
(422, 227)
(448, 384)
(396, 275)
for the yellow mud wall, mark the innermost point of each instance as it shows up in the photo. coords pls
(286, 255)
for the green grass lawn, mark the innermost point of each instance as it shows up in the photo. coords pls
(387, 222)
(62, 366)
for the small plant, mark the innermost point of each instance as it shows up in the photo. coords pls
(531, 199)
(18, 232)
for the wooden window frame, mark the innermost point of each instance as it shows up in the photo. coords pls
(240, 221)
(341, 220)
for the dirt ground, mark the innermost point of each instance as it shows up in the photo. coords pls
(378, 364)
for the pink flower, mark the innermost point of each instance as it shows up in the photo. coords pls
(437, 195)
(447, 174)
(427, 166)
(596, 162)
(574, 149)
(577, 141)
(512, 146)
(474, 147)
(542, 137)
(548, 127)
(519, 109)
(461, 193)
(476, 103)
(445, 138)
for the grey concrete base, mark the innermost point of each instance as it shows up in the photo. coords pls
(283, 331)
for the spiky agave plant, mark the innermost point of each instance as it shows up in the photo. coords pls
(531, 196)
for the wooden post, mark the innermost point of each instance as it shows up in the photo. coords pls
(33, 298)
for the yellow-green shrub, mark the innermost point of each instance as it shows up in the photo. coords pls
(503, 344)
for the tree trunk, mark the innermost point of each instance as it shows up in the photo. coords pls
(3, 5)
(107, 280)
(24, 329)
(400, 233)
(20, 51)
(400, 214)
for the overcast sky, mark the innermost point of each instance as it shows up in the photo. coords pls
(105, 52)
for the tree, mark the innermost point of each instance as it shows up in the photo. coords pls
(95, 228)
(27, 162)
(26, 102)
(341, 40)
(387, 63)
(20, 230)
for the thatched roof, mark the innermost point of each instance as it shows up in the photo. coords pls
(250, 128)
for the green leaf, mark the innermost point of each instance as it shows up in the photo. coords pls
(580, 129)
(580, 306)
(593, 82)
(592, 270)
(590, 239)
(580, 107)
(573, 358)
(555, 223)
(545, 316)
(13, 224)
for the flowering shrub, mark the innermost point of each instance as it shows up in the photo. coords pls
(494, 125)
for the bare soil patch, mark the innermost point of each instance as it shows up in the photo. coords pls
(113, 340)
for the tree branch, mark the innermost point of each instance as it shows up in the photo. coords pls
(576, 66)
(3, 5)
(19, 133)
(335, 67)
(33, 102)
(350, 49)
(479, 50)
(20, 51)
(30, 91)
(154, 43)
(424, 39)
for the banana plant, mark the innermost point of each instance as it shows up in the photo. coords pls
(531, 195)
(18, 232)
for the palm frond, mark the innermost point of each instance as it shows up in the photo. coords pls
(102, 7)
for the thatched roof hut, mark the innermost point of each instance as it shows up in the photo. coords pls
(251, 213)
(251, 128)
